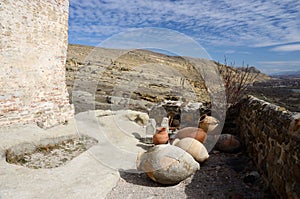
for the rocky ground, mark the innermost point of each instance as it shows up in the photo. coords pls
(51, 156)
(223, 175)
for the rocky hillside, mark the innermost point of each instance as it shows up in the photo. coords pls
(142, 77)
(255, 74)
(136, 79)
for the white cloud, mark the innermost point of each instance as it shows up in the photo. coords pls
(230, 51)
(157, 38)
(226, 22)
(290, 47)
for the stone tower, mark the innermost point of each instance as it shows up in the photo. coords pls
(33, 47)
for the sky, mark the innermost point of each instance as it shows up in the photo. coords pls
(260, 33)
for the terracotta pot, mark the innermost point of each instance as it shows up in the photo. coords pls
(208, 123)
(228, 143)
(192, 132)
(193, 147)
(161, 136)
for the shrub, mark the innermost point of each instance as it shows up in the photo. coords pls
(235, 81)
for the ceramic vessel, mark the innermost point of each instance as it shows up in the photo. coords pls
(161, 136)
(228, 143)
(193, 147)
(208, 123)
(192, 132)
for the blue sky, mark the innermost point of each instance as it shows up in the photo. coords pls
(261, 33)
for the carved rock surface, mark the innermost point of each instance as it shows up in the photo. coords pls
(193, 147)
(167, 164)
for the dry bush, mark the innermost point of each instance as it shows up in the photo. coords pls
(235, 81)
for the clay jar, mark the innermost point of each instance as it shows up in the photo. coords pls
(161, 136)
(208, 123)
(193, 147)
(192, 132)
(228, 143)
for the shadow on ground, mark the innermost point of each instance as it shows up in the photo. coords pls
(221, 176)
(226, 176)
(140, 179)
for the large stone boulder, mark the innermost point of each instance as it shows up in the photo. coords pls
(167, 164)
(193, 147)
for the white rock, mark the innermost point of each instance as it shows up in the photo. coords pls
(167, 164)
(138, 117)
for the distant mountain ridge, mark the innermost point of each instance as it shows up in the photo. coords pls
(286, 73)
(251, 69)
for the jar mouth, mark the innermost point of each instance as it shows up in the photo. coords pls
(161, 129)
(202, 118)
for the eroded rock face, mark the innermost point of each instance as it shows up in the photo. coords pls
(193, 147)
(167, 164)
(136, 79)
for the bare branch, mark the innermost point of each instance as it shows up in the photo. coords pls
(235, 81)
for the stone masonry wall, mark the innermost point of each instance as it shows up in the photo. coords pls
(272, 137)
(33, 46)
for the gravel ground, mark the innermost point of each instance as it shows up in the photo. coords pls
(52, 156)
(221, 176)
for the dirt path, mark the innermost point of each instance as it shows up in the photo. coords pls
(221, 176)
